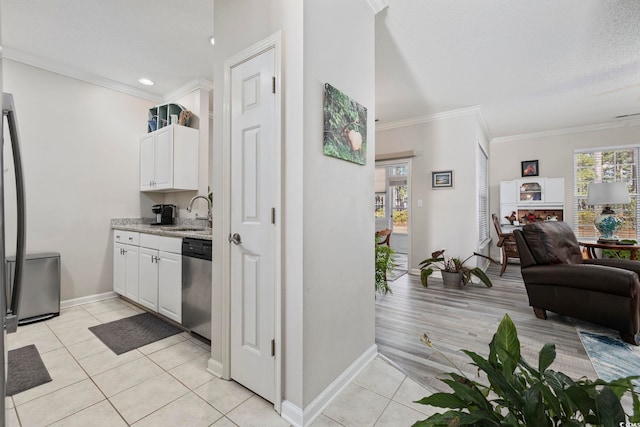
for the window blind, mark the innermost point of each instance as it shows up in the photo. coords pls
(483, 195)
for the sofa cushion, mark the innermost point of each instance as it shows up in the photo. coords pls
(552, 242)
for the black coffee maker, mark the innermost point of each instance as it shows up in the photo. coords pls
(165, 214)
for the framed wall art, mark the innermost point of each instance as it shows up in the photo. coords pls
(442, 179)
(529, 168)
(345, 127)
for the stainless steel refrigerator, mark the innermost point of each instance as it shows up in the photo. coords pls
(9, 307)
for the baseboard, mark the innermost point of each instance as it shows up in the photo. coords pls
(85, 300)
(414, 271)
(215, 368)
(302, 418)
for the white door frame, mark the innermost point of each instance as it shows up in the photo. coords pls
(271, 42)
(409, 207)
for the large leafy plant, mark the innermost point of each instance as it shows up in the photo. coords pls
(453, 265)
(520, 395)
(385, 263)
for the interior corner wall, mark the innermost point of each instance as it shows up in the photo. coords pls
(80, 149)
(448, 217)
(339, 306)
(555, 157)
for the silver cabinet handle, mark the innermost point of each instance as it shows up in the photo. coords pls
(235, 239)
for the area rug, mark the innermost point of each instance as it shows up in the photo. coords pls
(25, 370)
(133, 332)
(611, 357)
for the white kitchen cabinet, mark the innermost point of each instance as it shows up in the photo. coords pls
(169, 159)
(148, 281)
(125, 265)
(161, 275)
(170, 286)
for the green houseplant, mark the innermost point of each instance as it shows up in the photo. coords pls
(384, 264)
(519, 394)
(453, 265)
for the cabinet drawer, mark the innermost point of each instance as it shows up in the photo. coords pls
(128, 237)
(161, 243)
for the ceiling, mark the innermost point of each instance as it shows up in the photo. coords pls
(532, 65)
(115, 42)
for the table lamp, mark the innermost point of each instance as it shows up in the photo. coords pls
(607, 194)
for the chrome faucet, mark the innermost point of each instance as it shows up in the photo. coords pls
(209, 214)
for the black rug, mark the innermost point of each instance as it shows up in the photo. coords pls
(132, 332)
(25, 370)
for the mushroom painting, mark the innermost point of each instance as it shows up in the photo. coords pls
(345, 127)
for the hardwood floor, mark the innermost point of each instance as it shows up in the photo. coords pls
(467, 318)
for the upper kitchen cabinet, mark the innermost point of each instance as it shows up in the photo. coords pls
(169, 159)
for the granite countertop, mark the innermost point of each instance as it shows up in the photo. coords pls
(193, 228)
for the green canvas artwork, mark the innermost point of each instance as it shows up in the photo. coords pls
(345, 127)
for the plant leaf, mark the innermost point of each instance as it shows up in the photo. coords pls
(546, 357)
(480, 274)
(533, 409)
(424, 274)
(610, 410)
(507, 345)
(443, 400)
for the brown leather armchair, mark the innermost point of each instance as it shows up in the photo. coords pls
(558, 279)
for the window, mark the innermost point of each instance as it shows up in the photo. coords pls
(605, 165)
(483, 195)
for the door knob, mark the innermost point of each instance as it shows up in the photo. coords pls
(235, 239)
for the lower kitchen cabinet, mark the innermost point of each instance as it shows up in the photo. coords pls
(148, 279)
(125, 270)
(160, 287)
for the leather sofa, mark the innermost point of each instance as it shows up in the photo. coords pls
(558, 279)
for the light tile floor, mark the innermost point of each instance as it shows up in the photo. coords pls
(166, 383)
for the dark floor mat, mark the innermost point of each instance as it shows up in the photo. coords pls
(25, 370)
(132, 332)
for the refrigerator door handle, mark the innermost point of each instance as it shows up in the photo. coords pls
(8, 110)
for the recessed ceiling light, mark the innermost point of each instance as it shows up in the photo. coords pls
(212, 40)
(146, 82)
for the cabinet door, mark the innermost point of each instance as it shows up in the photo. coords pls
(131, 255)
(147, 162)
(164, 158)
(170, 286)
(554, 193)
(119, 269)
(148, 278)
(508, 192)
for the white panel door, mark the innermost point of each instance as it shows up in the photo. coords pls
(131, 255)
(253, 192)
(148, 278)
(164, 158)
(170, 286)
(147, 162)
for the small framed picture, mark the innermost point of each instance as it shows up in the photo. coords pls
(529, 168)
(442, 179)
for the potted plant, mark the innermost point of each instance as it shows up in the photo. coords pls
(516, 393)
(453, 270)
(384, 264)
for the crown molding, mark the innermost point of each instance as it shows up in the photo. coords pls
(377, 5)
(567, 131)
(55, 67)
(202, 84)
(476, 110)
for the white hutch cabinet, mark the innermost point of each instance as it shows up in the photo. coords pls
(532, 199)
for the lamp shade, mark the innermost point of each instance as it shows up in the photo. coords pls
(607, 193)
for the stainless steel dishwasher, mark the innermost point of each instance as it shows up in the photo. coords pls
(196, 286)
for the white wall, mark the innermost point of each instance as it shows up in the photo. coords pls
(328, 285)
(555, 156)
(448, 218)
(339, 308)
(80, 153)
